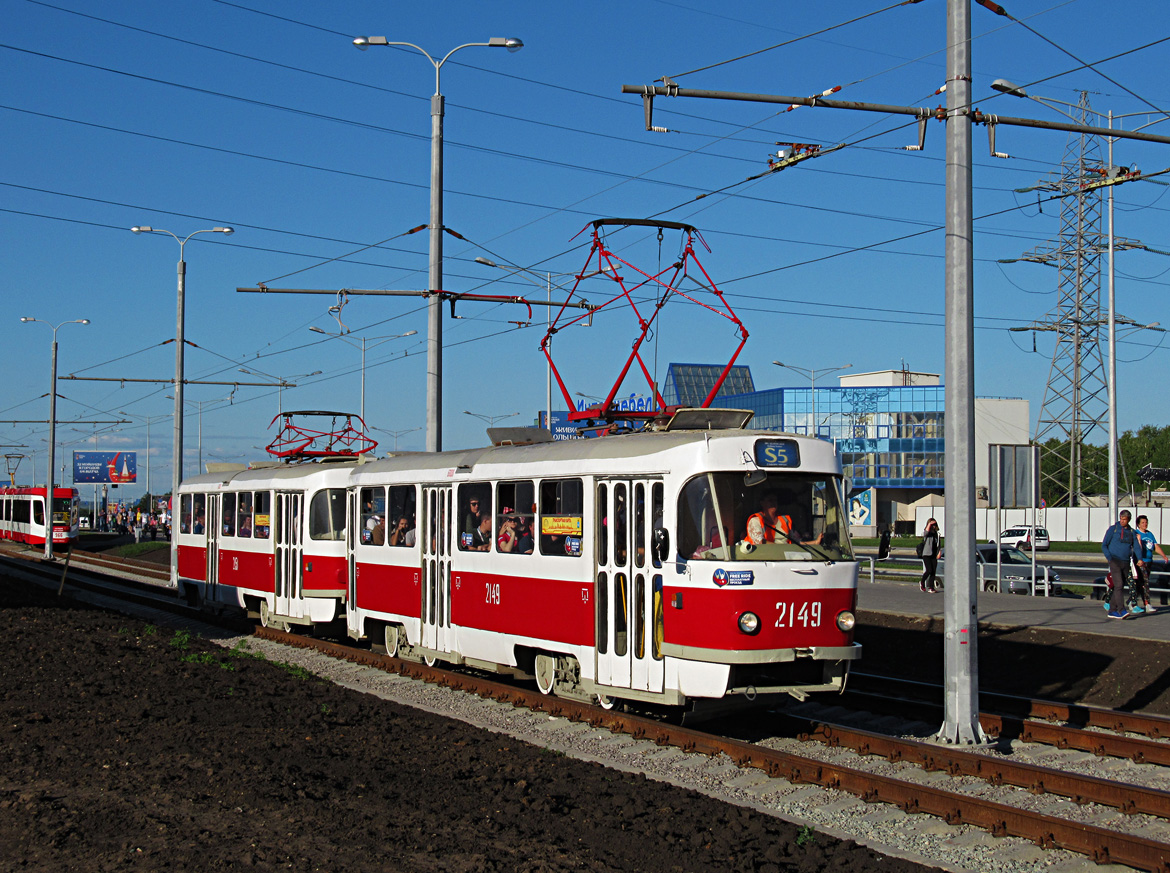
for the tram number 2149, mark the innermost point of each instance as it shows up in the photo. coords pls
(798, 614)
(492, 593)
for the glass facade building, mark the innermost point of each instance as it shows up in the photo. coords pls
(888, 436)
(689, 384)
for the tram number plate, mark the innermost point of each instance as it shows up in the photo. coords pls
(492, 593)
(804, 614)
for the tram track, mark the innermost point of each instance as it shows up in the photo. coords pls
(1101, 843)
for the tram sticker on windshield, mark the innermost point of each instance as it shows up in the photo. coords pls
(777, 453)
(573, 547)
(560, 525)
(723, 577)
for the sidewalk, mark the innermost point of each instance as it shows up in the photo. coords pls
(1080, 615)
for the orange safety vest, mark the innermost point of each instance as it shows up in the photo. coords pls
(784, 525)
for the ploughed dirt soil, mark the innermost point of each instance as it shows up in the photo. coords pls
(130, 748)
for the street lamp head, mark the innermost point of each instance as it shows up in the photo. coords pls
(486, 262)
(25, 319)
(226, 231)
(778, 364)
(364, 42)
(1006, 87)
(409, 333)
(318, 330)
(510, 43)
(83, 321)
(142, 229)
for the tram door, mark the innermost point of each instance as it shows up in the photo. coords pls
(436, 527)
(287, 530)
(629, 585)
(211, 528)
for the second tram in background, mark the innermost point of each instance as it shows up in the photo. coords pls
(695, 562)
(23, 516)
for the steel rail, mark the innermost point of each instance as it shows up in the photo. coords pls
(1123, 796)
(1155, 726)
(1009, 727)
(1101, 844)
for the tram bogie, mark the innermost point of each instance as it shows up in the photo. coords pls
(659, 567)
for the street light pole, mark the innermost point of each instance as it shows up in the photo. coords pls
(177, 449)
(435, 277)
(812, 378)
(52, 431)
(345, 339)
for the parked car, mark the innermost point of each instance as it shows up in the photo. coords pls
(83, 522)
(1022, 538)
(1017, 571)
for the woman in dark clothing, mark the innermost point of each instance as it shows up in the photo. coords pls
(928, 551)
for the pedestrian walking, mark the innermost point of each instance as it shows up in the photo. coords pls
(1120, 549)
(928, 552)
(1147, 544)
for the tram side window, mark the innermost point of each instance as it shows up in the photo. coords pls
(562, 518)
(262, 523)
(229, 515)
(656, 507)
(373, 516)
(475, 509)
(185, 514)
(517, 503)
(20, 510)
(327, 515)
(199, 517)
(38, 512)
(401, 515)
(245, 515)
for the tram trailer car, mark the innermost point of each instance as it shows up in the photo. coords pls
(639, 567)
(22, 516)
(269, 540)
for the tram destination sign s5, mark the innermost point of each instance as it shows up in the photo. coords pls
(102, 467)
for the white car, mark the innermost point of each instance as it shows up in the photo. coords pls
(1022, 538)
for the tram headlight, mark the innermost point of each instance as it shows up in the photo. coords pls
(749, 623)
(846, 620)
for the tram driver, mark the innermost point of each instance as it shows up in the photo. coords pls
(769, 524)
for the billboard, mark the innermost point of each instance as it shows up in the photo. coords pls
(115, 467)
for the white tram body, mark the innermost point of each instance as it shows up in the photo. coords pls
(619, 567)
(22, 516)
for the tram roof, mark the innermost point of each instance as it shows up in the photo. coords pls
(585, 455)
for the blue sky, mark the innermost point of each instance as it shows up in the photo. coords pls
(262, 116)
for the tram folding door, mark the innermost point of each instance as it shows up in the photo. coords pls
(211, 527)
(436, 570)
(289, 506)
(628, 653)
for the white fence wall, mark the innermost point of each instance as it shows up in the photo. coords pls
(1065, 524)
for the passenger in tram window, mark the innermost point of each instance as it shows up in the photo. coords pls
(473, 516)
(403, 533)
(378, 532)
(507, 539)
(199, 522)
(245, 526)
(524, 536)
(481, 537)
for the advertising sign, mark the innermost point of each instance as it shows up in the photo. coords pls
(115, 467)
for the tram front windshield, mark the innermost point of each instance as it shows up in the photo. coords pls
(63, 510)
(785, 516)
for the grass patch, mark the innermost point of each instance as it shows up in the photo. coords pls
(181, 639)
(136, 550)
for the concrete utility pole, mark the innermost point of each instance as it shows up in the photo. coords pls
(961, 622)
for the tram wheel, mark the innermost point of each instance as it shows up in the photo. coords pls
(429, 660)
(546, 673)
(266, 619)
(607, 702)
(391, 638)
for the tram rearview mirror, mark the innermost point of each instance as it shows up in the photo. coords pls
(661, 544)
(754, 477)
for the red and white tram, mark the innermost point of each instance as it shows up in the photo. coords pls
(22, 515)
(655, 566)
